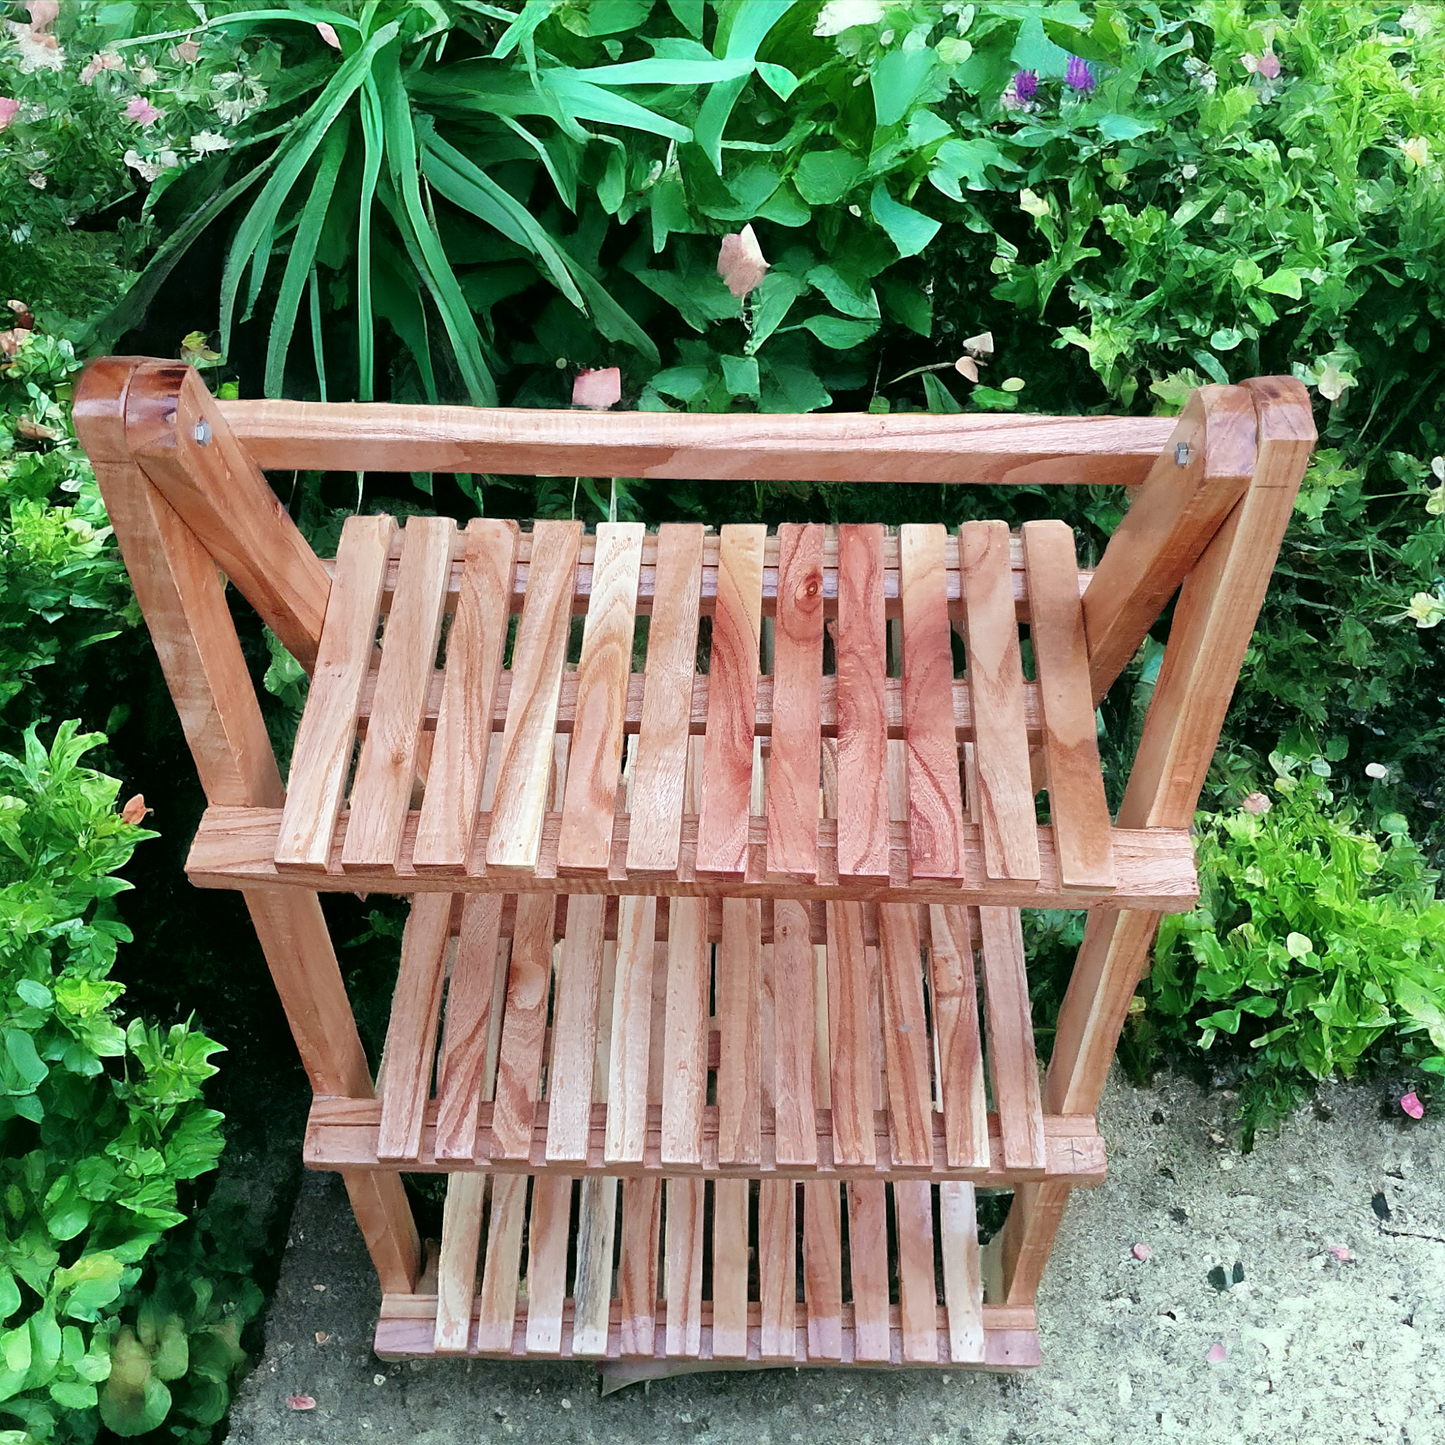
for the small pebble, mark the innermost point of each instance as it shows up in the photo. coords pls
(322, 1337)
(1141, 1251)
(300, 1402)
(566, 1404)
(1340, 1253)
(378, 1379)
(318, 1287)
(1217, 1355)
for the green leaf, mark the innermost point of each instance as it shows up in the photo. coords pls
(908, 229)
(825, 177)
(839, 332)
(23, 1060)
(74, 1394)
(740, 375)
(664, 72)
(1284, 282)
(939, 396)
(689, 15)
(800, 388)
(907, 303)
(1033, 50)
(606, 17)
(684, 382)
(771, 304)
(584, 101)
(1122, 127)
(844, 294)
(1298, 945)
(898, 80)
(35, 994)
(742, 28)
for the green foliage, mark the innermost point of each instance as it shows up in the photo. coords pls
(1317, 947)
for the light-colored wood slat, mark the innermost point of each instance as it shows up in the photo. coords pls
(603, 672)
(962, 1276)
(476, 643)
(502, 1270)
(547, 1262)
(730, 1270)
(852, 989)
(778, 1268)
(722, 828)
(795, 756)
(975, 447)
(1005, 803)
(683, 1260)
(905, 1035)
(574, 1029)
(592, 1288)
(1013, 1065)
(917, 1290)
(1169, 523)
(321, 756)
(1077, 806)
(955, 1027)
(788, 983)
(457, 1268)
(862, 706)
(462, 1077)
(935, 801)
(637, 1266)
(378, 1200)
(386, 771)
(539, 653)
(655, 836)
(868, 1268)
(631, 1030)
(740, 1027)
(823, 1268)
(524, 1027)
(412, 1030)
(684, 1069)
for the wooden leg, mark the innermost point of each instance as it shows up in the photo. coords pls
(378, 1198)
(1028, 1237)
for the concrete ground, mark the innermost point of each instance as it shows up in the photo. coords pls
(1319, 1350)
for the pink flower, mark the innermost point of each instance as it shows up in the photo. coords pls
(1078, 76)
(740, 262)
(142, 111)
(8, 110)
(43, 15)
(1217, 1355)
(1269, 65)
(328, 34)
(187, 51)
(597, 390)
(1411, 1104)
(1256, 803)
(101, 60)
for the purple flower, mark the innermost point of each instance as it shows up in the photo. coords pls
(1026, 86)
(1078, 76)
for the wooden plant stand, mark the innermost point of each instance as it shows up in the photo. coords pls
(683, 939)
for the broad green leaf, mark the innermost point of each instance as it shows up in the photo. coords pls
(74, 1394)
(606, 17)
(1123, 127)
(844, 294)
(800, 388)
(689, 15)
(907, 303)
(898, 80)
(839, 332)
(825, 177)
(36, 995)
(940, 398)
(684, 382)
(771, 303)
(23, 1060)
(663, 72)
(742, 28)
(585, 101)
(908, 229)
(1033, 50)
(740, 375)
(1284, 282)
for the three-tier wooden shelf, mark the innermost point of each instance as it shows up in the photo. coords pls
(712, 1001)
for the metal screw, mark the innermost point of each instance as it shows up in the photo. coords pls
(203, 433)
(1181, 454)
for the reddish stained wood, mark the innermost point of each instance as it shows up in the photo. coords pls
(955, 1026)
(739, 1016)
(788, 982)
(574, 1030)
(547, 1263)
(905, 1035)
(524, 1025)
(502, 1270)
(457, 1263)
(852, 991)
(917, 1292)
(794, 761)
(631, 1021)
(868, 1266)
(462, 1066)
(777, 1268)
(1011, 1057)
(637, 1265)
(823, 1269)
(962, 1274)
(684, 1073)
(684, 1267)
(730, 1270)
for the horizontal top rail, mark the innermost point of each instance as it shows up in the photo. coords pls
(826, 447)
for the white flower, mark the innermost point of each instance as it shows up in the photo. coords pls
(231, 111)
(840, 15)
(1417, 149)
(1425, 610)
(205, 141)
(36, 52)
(148, 170)
(39, 180)
(1033, 203)
(1376, 770)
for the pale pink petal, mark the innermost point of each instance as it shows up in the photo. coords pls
(1269, 65)
(9, 109)
(1250, 62)
(328, 34)
(1217, 1355)
(598, 390)
(187, 51)
(1141, 1251)
(1256, 803)
(42, 15)
(300, 1402)
(966, 366)
(1411, 1104)
(980, 345)
(142, 111)
(740, 262)
(1340, 1253)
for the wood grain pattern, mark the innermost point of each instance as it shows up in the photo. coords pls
(862, 706)
(462, 1075)
(795, 757)
(538, 655)
(1005, 803)
(684, 1065)
(777, 1268)
(722, 828)
(524, 1025)
(384, 1217)
(631, 1030)
(457, 1266)
(788, 984)
(637, 1265)
(730, 1270)
(917, 1292)
(592, 1289)
(547, 1231)
(823, 1268)
(502, 1271)
(684, 1267)
(321, 755)
(868, 1267)
(475, 646)
(905, 1035)
(1012, 1062)
(958, 1047)
(962, 1276)
(739, 1015)
(574, 1030)
(595, 759)
(852, 993)
(935, 800)
(412, 1030)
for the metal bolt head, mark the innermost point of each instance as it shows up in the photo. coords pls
(1181, 454)
(203, 433)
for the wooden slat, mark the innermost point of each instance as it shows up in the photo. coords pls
(794, 760)
(788, 984)
(502, 1270)
(603, 672)
(684, 1267)
(917, 1292)
(905, 1035)
(631, 1029)
(1012, 1062)
(958, 1047)
(868, 1267)
(637, 1266)
(592, 1288)
(722, 828)
(739, 1013)
(386, 770)
(935, 801)
(324, 737)
(862, 707)
(412, 1030)
(823, 1269)
(684, 1068)
(658, 770)
(538, 655)
(524, 1026)
(547, 1233)
(1077, 806)
(852, 994)
(777, 1268)
(730, 1270)
(574, 1030)
(962, 1276)
(457, 1267)
(1004, 807)
(462, 1079)
(476, 643)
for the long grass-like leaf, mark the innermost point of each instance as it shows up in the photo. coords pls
(370, 169)
(745, 26)
(317, 350)
(303, 253)
(399, 300)
(591, 102)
